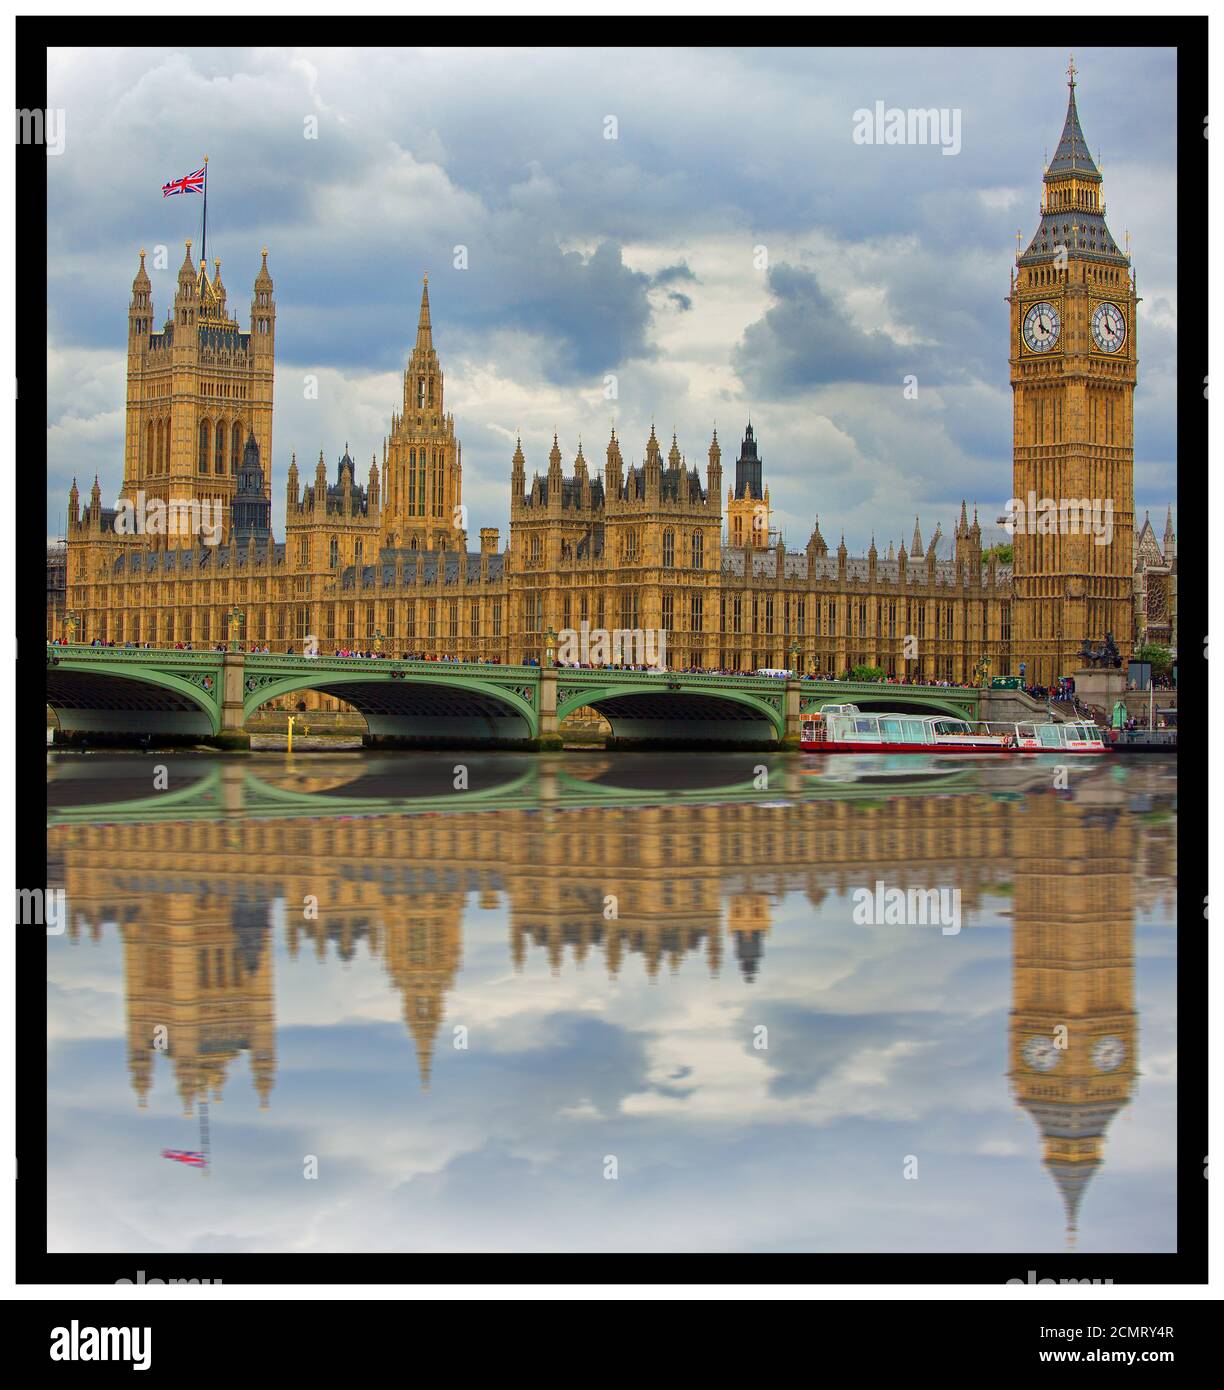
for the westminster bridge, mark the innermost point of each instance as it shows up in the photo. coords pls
(117, 693)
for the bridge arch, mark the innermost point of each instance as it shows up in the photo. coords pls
(89, 697)
(412, 704)
(692, 712)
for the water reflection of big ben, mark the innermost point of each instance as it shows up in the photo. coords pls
(1073, 1031)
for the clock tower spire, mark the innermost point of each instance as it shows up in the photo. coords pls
(1073, 367)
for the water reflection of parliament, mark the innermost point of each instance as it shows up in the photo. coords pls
(193, 897)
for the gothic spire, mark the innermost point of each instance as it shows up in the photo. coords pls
(424, 338)
(1072, 156)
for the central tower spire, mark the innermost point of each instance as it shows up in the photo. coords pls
(421, 491)
(424, 338)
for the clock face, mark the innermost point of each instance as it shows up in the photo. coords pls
(1040, 1054)
(1108, 327)
(1107, 1053)
(1041, 327)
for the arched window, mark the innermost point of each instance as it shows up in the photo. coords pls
(203, 446)
(236, 442)
(334, 553)
(698, 550)
(150, 448)
(219, 447)
(669, 549)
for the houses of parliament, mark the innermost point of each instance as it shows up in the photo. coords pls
(381, 554)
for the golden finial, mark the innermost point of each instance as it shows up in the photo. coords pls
(1071, 71)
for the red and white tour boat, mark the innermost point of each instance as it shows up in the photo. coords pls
(846, 729)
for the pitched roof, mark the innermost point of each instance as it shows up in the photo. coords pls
(1071, 156)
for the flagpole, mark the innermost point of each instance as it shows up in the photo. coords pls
(204, 229)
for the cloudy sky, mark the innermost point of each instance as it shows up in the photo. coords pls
(637, 257)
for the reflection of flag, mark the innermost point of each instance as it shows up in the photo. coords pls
(189, 183)
(196, 1160)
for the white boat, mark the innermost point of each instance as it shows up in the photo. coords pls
(846, 729)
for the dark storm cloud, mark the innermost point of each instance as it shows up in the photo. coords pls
(805, 340)
(671, 273)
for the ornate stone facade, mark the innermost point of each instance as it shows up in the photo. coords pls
(1155, 579)
(629, 547)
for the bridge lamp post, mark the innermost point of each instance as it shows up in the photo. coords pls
(550, 646)
(796, 651)
(71, 622)
(236, 618)
(378, 640)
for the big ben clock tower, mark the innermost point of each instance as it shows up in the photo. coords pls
(1073, 362)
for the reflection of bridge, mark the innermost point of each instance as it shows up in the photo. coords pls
(353, 784)
(207, 696)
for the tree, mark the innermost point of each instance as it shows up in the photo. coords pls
(1161, 658)
(865, 673)
(1003, 553)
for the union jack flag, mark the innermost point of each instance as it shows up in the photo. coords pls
(189, 183)
(197, 1160)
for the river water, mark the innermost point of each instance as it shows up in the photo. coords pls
(585, 1002)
